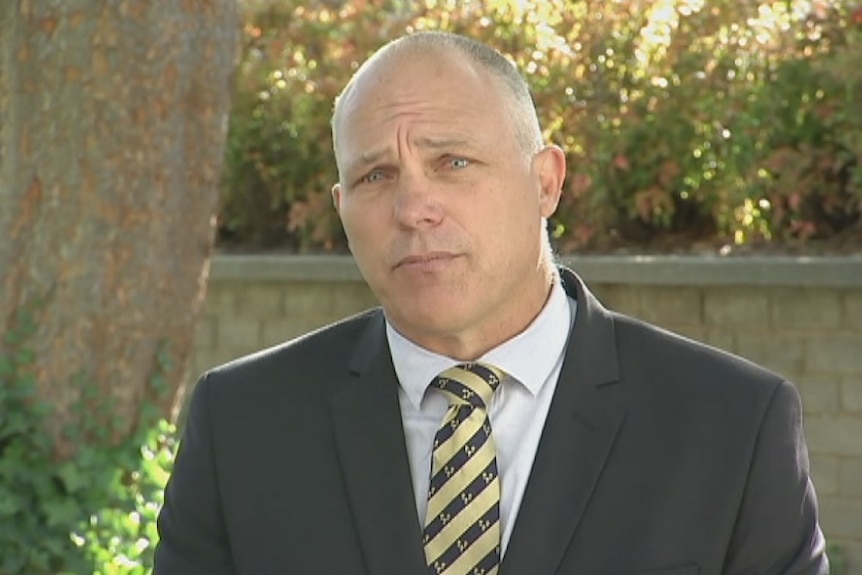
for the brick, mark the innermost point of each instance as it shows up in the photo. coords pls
(694, 332)
(307, 298)
(806, 308)
(780, 353)
(851, 394)
(668, 306)
(205, 331)
(721, 339)
(834, 354)
(209, 307)
(352, 298)
(825, 474)
(851, 478)
(221, 299)
(621, 298)
(242, 334)
(841, 517)
(820, 394)
(736, 306)
(853, 309)
(199, 363)
(204, 360)
(262, 300)
(837, 435)
(276, 331)
(714, 338)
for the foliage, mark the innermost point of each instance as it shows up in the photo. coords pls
(700, 120)
(94, 513)
(120, 537)
(837, 559)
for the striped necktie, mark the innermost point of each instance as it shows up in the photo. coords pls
(462, 524)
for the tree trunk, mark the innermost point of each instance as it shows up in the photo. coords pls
(112, 126)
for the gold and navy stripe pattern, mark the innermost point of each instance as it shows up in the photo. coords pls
(462, 524)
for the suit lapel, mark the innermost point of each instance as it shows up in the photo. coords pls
(579, 433)
(372, 451)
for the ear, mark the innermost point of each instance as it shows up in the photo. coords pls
(336, 197)
(550, 166)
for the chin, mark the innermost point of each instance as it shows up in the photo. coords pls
(434, 320)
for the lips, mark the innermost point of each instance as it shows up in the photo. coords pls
(425, 259)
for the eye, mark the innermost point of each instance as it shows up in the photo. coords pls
(457, 162)
(372, 177)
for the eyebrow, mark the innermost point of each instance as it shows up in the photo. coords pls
(367, 158)
(438, 143)
(375, 156)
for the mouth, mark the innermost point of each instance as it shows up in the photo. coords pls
(425, 259)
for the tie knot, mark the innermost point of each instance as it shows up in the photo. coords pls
(469, 383)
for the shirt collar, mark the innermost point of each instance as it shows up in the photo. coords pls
(529, 357)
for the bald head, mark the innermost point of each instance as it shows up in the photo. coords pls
(503, 74)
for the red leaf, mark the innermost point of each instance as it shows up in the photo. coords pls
(621, 162)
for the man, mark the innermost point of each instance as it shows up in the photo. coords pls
(606, 445)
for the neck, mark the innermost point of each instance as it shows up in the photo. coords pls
(473, 344)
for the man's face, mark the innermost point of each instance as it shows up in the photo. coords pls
(440, 203)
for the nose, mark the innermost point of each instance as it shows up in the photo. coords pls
(416, 203)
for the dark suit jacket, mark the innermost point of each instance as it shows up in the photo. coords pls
(659, 456)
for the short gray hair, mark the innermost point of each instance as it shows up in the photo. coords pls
(527, 127)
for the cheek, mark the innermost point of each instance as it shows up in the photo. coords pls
(519, 225)
(521, 205)
(363, 228)
(351, 221)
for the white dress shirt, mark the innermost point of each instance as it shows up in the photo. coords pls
(518, 409)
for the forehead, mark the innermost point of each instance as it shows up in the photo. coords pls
(440, 92)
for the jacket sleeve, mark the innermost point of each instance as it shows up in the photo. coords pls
(193, 538)
(777, 531)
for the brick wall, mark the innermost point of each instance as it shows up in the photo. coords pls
(801, 318)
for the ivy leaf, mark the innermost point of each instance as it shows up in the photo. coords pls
(63, 512)
(73, 479)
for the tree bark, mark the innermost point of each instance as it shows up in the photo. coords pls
(113, 116)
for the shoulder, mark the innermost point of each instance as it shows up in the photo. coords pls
(318, 356)
(689, 397)
(668, 364)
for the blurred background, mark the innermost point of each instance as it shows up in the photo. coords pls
(688, 124)
(137, 139)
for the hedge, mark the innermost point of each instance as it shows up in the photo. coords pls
(686, 123)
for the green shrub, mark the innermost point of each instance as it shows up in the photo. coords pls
(93, 513)
(120, 538)
(808, 171)
(714, 122)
